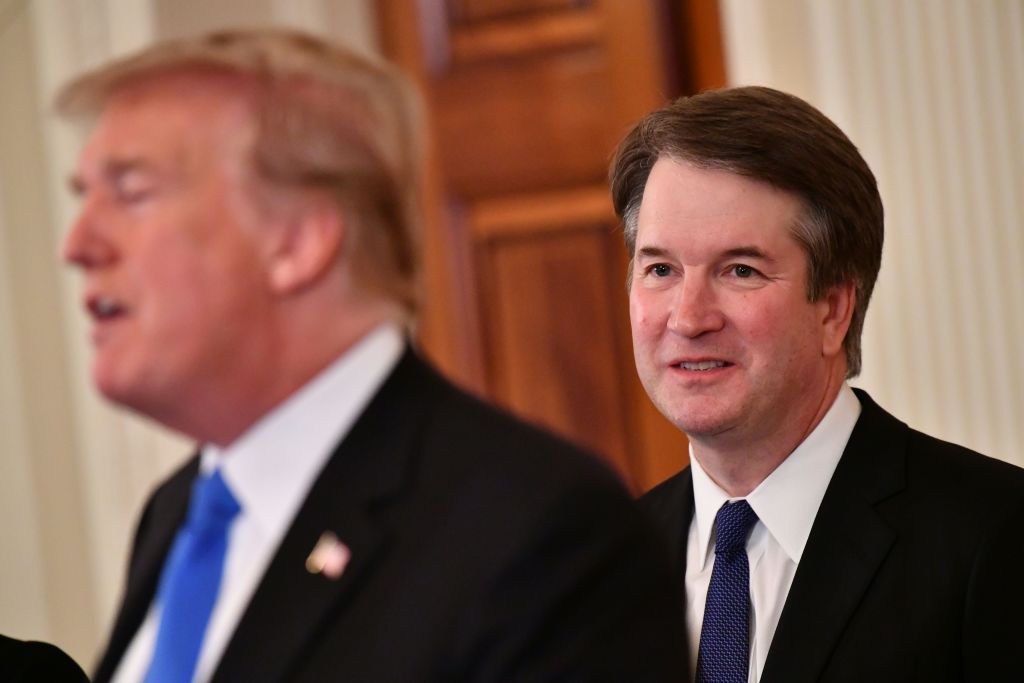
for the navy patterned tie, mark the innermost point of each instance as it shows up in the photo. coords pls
(724, 651)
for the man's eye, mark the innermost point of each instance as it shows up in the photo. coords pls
(743, 271)
(133, 186)
(660, 270)
(133, 193)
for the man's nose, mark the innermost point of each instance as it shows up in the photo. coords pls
(696, 308)
(86, 244)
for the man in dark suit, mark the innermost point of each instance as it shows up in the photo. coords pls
(246, 238)
(817, 537)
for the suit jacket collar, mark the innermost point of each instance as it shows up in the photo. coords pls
(848, 542)
(368, 467)
(670, 505)
(157, 528)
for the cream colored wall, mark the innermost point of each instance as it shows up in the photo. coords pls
(47, 578)
(74, 471)
(932, 92)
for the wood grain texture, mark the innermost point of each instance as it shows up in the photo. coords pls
(526, 101)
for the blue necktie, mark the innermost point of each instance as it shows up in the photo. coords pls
(724, 651)
(191, 579)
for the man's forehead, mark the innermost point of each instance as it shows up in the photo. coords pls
(142, 111)
(170, 80)
(684, 189)
(713, 185)
(165, 137)
(713, 212)
(179, 90)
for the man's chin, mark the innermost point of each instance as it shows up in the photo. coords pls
(700, 422)
(117, 395)
(117, 388)
(703, 430)
(107, 382)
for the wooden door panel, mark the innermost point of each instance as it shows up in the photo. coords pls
(551, 334)
(522, 33)
(525, 264)
(537, 129)
(480, 10)
(521, 100)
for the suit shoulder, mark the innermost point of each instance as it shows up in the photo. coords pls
(477, 430)
(960, 491)
(961, 468)
(935, 469)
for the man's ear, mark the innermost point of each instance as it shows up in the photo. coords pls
(836, 314)
(307, 246)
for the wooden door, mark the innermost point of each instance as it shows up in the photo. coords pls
(525, 268)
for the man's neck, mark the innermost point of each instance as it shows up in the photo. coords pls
(295, 357)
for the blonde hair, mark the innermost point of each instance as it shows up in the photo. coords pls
(327, 119)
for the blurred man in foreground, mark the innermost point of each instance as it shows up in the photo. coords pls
(246, 236)
(818, 538)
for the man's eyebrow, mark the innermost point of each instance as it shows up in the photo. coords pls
(116, 168)
(111, 170)
(651, 252)
(746, 251)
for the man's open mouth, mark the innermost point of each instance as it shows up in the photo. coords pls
(702, 365)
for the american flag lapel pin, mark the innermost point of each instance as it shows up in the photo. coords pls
(329, 557)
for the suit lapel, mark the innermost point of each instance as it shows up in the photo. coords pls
(156, 531)
(368, 466)
(847, 544)
(670, 506)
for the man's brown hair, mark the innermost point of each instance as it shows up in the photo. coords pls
(779, 139)
(327, 119)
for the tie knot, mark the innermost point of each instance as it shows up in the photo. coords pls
(732, 524)
(212, 506)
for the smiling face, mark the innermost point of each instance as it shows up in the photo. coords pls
(725, 340)
(168, 244)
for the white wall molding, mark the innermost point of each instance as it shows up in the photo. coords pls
(932, 92)
(69, 37)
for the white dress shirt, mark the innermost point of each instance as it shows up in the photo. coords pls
(786, 503)
(270, 470)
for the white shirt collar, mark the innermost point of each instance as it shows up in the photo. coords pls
(271, 467)
(787, 501)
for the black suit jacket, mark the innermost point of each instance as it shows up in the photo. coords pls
(913, 571)
(32, 661)
(481, 550)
